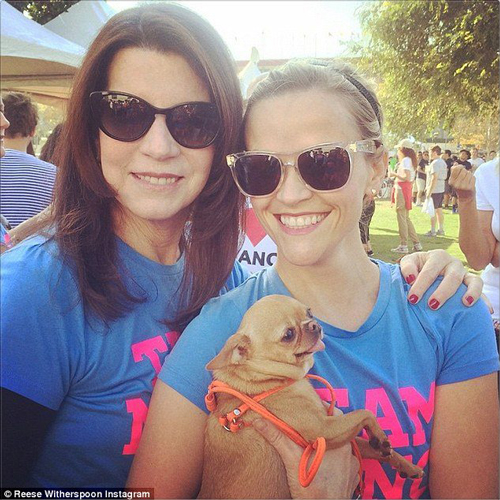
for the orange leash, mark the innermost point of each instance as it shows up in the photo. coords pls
(232, 423)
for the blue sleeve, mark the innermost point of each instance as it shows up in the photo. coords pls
(465, 336)
(238, 275)
(41, 340)
(184, 370)
(470, 347)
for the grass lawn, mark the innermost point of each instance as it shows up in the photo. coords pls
(384, 232)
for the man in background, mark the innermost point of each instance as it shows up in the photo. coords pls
(475, 160)
(26, 183)
(463, 159)
(436, 176)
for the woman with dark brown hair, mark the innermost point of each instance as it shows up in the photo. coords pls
(144, 230)
(405, 175)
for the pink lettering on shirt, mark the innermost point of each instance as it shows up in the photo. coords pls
(139, 412)
(419, 410)
(149, 349)
(375, 473)
(418, 406)
(389, 422)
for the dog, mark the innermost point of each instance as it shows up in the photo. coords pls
(275, 342)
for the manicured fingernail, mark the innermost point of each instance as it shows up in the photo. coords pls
(413, 299)
(434, 304)
(410, 279)
(469, 299)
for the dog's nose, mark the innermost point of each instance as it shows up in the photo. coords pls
(314, 327)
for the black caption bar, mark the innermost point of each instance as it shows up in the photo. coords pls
(78, 493)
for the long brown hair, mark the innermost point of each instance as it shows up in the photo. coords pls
(410, 153)
(83, 199)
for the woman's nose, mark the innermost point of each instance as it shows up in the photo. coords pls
(293, 189)
(158, 142)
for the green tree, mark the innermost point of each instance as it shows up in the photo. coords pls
(42, 11)
(435, 61)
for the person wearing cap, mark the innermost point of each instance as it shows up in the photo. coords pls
(402, 194)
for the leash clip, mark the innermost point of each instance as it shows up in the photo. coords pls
(230, 426)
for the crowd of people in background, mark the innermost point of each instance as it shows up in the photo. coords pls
(424, 175)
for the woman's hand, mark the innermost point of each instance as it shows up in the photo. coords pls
(463, 181)
(420, 269)
(337, 476)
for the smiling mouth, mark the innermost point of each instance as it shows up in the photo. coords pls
(157, 180)
(301, 221)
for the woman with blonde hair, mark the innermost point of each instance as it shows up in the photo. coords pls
(311, 152)
(404, 176)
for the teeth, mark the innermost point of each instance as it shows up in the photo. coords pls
(302, 221)
(161, 181)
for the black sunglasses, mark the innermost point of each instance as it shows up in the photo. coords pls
(126, 117)
(326, 167)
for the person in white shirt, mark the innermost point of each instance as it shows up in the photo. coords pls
(475, 160)
(436, 177)
(479, 235)
(404, 177)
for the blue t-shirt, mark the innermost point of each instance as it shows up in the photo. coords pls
(98, 377)
(390, 365)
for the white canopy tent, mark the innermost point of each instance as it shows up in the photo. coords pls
(249, 72)
(35, 60)
(81, 22)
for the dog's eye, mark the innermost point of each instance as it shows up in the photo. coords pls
(309, 314)
(289, 335)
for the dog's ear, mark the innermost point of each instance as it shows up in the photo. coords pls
(235, 352)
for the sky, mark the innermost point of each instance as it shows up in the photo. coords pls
(278, 29)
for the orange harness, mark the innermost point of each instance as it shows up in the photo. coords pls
(232, 423)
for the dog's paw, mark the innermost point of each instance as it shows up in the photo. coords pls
(383, 447)
(417, 475)
(405, 468)
(386, 448)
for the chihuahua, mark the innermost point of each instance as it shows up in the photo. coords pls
(275, 343)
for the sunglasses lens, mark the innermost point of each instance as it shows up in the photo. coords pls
(194, 125)
(122, 117)
(325, 169)
(257, 175)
